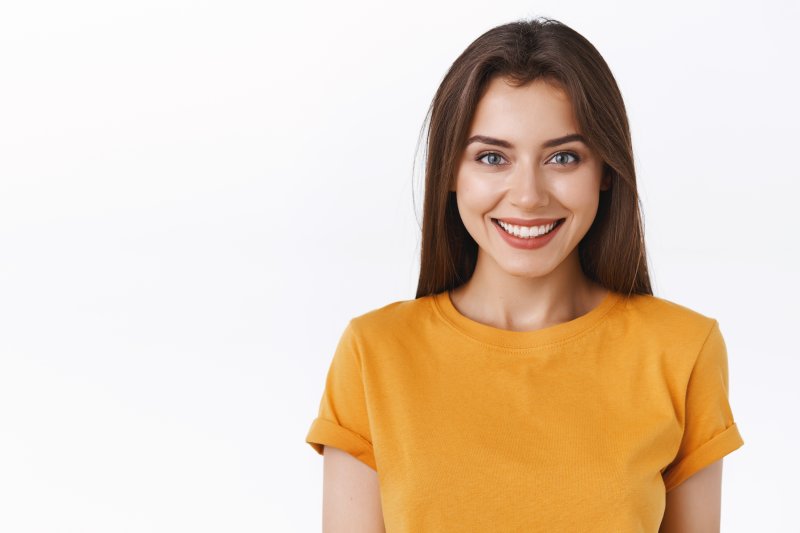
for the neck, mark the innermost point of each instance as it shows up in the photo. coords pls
(522, 302)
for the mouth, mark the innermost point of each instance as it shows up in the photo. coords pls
(528, 232)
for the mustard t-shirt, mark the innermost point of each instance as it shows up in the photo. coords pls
(580, 426)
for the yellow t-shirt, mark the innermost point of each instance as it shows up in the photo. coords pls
(581, 426)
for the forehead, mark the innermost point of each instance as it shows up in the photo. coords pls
(536, 111)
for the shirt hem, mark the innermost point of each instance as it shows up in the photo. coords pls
(328, 433)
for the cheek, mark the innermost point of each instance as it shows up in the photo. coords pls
(580, 195)
(476, 194)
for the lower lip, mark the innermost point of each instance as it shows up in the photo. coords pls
(530, 243)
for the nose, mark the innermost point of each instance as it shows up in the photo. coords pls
(528, 188)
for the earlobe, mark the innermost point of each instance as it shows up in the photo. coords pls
(605, 180)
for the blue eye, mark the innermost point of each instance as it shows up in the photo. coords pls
(480, 157)
(574, 156)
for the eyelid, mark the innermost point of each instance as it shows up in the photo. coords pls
(484, 154)
(575, 156)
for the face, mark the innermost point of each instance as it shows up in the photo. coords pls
(522, 167)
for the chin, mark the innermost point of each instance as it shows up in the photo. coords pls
(527, 271)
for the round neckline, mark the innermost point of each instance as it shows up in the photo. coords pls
(506, 338)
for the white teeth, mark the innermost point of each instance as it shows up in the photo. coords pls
(526, 232)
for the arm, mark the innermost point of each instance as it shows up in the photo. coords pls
(694, 505)
(351, 499)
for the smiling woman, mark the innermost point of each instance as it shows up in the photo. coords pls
(534, 383)
(546, 169)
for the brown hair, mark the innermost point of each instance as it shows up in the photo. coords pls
(612, 253)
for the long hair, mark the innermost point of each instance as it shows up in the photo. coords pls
(612, 252)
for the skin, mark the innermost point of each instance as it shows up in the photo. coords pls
(515, 289)
(694, 506)
(351, 501)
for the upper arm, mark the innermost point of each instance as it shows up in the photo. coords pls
(694, 505)
(351, 499)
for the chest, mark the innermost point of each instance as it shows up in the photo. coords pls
(535, 442)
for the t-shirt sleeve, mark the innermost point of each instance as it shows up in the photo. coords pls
(709, 432)
(342, 421)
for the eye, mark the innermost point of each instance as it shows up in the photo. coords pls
(576, 158)
(558, 157)
(495, 154)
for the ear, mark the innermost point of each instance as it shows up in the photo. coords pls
(605, 182)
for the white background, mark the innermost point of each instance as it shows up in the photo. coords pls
(195, 197)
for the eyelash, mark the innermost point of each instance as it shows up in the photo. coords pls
(576, 157)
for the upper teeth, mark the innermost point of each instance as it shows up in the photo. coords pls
(526, 231)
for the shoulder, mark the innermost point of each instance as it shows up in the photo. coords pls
(385, 336)
(669, 334)
(667, 321)
(394, 318)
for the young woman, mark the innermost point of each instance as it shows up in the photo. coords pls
(535, 383)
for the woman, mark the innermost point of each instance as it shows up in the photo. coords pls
(535, 383)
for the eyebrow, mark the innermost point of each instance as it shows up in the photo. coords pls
(547, 144)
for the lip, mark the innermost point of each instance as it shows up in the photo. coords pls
(528, 222)
(530, 243)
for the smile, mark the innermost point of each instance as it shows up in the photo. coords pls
(527, 232)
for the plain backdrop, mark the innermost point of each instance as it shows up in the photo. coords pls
(196, 197)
